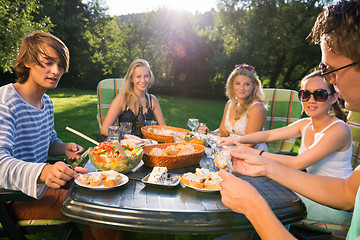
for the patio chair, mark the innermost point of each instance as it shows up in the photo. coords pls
(284, 108)
(107, 90)
(17, 230)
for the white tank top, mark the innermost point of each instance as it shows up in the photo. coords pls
(337, 164)
(239, 127)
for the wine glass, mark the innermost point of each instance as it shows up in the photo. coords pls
(193, 123)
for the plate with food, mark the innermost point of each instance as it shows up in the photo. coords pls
(159, 177)
(203, 180)
(101, 180)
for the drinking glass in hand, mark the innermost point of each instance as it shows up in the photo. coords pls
(193, 123)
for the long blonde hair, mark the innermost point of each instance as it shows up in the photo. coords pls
(257, 94)
(127, 89)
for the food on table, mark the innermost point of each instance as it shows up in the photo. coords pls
(158, 175)
(190, 138)
(111, 178)
(107, 179)
(221, 158)
(128, 138)
(166, 132)
(202, 178)
(173, 150)
(84, 179)
(156, 151)
(95, 180)
(106, 157)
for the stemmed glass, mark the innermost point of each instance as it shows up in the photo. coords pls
(193, 123)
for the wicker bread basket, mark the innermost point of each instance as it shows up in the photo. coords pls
(161, 138)
(171, 162)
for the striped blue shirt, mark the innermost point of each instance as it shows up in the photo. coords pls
(26, 134)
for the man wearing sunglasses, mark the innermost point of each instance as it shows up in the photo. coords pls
(337, 31)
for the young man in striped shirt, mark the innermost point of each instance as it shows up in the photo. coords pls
(27, 134)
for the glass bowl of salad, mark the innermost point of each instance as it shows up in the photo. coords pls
(105, 157)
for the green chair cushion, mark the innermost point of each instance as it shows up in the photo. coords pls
(284, 108)
(107, 90)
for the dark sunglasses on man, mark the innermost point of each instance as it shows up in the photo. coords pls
(320, 95)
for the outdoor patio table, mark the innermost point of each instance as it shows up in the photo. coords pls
(141, 208)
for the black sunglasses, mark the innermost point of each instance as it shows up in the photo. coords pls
(328, 74)
(320, 95)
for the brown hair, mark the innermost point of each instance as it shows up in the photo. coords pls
(257, 94)
(32, 46)
(339, 26)
(339, 113)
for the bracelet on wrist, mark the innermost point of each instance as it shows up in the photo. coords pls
(261, 152)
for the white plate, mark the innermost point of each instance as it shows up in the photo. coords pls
(201, 189)
(124, 179)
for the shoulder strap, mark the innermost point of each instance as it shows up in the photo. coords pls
(330, 125)
(254, 104)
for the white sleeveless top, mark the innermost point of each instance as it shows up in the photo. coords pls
(337, 164)
(239, 127)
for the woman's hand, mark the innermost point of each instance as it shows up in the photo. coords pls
(73, 151)
(227, 141)
(58, 174)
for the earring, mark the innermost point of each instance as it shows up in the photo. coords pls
(331, 111)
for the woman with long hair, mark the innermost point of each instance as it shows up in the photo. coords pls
(133, 93)
(245, 112)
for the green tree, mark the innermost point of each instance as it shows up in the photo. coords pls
(271, 35)
(17, 20)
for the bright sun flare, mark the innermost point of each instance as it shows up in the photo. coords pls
(123, 7)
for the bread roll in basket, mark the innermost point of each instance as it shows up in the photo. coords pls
(172, 161)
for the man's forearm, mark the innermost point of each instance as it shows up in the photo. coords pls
(265, 222)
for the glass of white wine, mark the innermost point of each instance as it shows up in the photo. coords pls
(193, 123)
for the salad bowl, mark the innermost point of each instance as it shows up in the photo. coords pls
(105, 157)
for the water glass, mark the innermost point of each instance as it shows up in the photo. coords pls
(114, 133)
(125, 128)
(193, 123)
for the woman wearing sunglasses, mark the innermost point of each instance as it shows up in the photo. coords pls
(326, 141)
(245, 111)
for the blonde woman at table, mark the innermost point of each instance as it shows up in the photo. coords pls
(245, 111)
(326, 142)
(133, 93)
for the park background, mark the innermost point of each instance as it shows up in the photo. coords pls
(191, 54)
